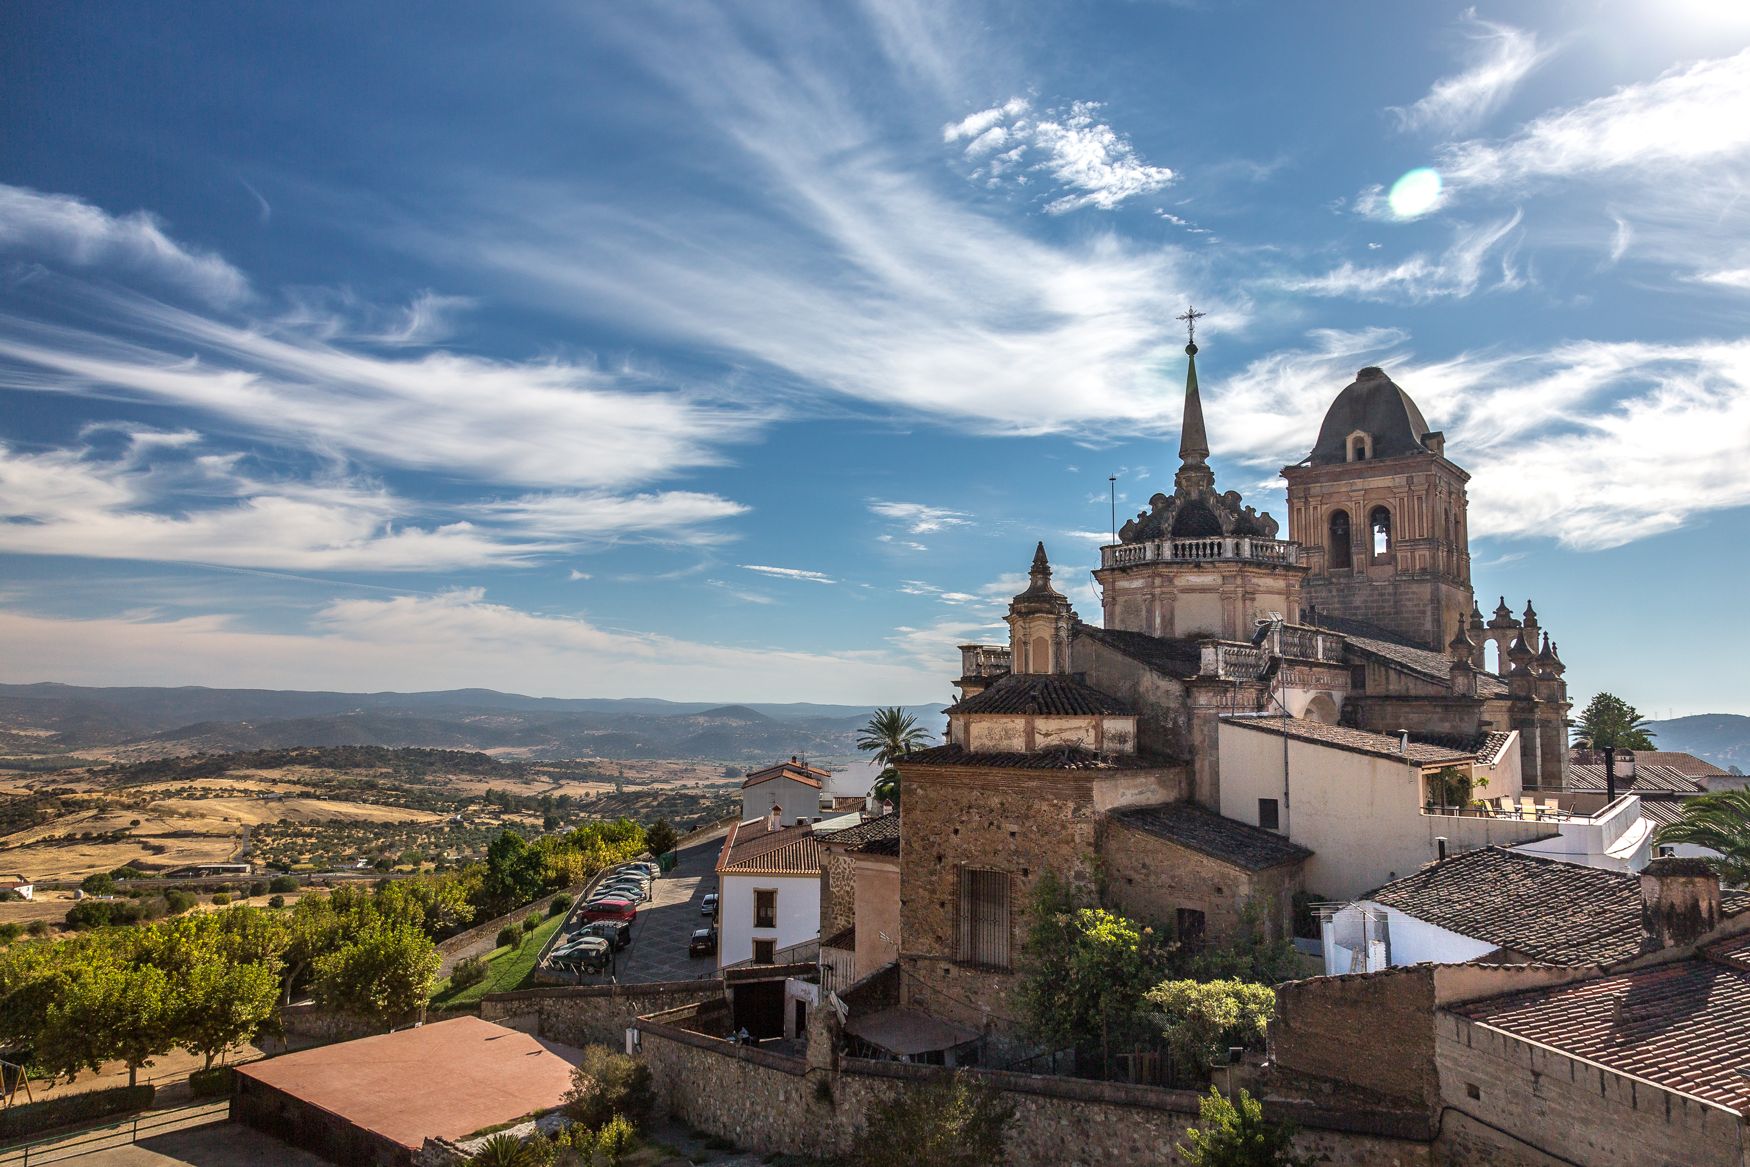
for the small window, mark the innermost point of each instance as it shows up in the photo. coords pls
(1471, 1091)
(764, 951)
(1339, 544)
(1360, 446)
(1189, 924)
(1379, 522)
(1268, 816)
(765, 909)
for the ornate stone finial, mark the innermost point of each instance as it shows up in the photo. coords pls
(1462, 646)
(1503, 616)
(1521, 654)
(1041, 565)
(1530, 615)
(1555, 656)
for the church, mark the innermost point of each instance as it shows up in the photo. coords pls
(1255, 717)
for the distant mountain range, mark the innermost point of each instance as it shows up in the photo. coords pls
(1720, 738)
(51, 718)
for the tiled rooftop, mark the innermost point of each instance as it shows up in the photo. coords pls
(1358, 741)
(1561, 913)
(1684, 1026)
(795, 771)
(1239, 844)
(1169, 655)
(869, 831)
(1380, 642)
(1042, 693)
(1675, 759)
(752, 849)
(1647, 779)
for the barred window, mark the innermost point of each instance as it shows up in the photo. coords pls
(984, 917)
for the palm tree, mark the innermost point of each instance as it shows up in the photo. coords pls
(892, 734)
(1720, 822)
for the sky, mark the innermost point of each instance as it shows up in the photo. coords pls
(742, 352)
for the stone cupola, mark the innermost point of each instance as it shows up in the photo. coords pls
(1041, 622)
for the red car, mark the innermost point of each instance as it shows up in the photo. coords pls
(611, 910)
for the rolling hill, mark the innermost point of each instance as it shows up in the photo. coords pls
(1720, 738)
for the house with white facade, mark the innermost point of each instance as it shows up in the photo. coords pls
(24, 888)
(768, 887)
(1497, 905)
(791, 788)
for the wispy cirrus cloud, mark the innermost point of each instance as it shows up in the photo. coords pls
(1499, 58)
(1459, 271)
(72, 231)
(796, 573)
(679, 516)
(920, 518)
(1090, 162)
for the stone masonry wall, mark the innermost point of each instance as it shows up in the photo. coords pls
(770, 1103)
(1575, 1109)
(1370, 1032)
(590, 1014)
(838, 888)
(1148, 878)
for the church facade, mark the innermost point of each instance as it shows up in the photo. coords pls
(1096, 753)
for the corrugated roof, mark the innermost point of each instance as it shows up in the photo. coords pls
(1647, 780)
(1052, 694)
(1677, 760)
(1684, 1026)
(1358, 741)
(1551, 911)
(1066, 758)
(1166, 654)
(751, 849)
(1236, 843)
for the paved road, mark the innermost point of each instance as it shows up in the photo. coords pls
(658, 951)
(188, 1136)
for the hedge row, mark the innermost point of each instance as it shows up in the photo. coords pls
(18, 1121)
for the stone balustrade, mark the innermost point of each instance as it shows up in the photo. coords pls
(1232, 662)
(1240, 547)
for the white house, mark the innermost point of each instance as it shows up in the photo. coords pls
(17, 883)
(793, 788)
(768, 888)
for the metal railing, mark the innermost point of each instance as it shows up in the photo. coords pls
(144, 1125)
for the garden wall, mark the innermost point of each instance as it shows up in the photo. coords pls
(579, 1015)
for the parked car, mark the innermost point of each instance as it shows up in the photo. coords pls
(610, 910)
(624, 891)
(703, 943)
(708, 905)
(652, 870)
(586, 954)
(615, 932)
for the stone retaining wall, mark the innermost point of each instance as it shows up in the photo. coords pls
(453, 948)
(769, 1102)
(584, 1014)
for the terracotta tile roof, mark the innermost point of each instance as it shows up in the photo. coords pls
(1493, 746)
(1560, 913)
(1042, 693)
(1372, 640)
(751, 849)
(1682, 1026)
(1165, 654)
(1683, 763)
(874, 830)
(1238, 844)
(795, 771)
(1070, 758)
(1647, 780)
(1358, 741)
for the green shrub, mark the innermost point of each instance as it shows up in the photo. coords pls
(179, 901)
(613, 1141)
(954, 1121)
(283, 883)
(221, 898)
(30, 1118)
(37, 927)
(97, 884)
(606, 1084)
(10, 931)
(510, 936)
(470, 970)
(258, 889)
(531, 922)
(1204, 1019)
(276, 901)
(1236, 1134)
(502, 1150)
(128, 871)
(560, 905)
(214, 1083)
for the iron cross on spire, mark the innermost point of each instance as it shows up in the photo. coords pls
(1190, 316)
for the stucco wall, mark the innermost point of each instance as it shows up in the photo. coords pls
(798, 916)
(799, 800)
(580, 1015)
(878, 927)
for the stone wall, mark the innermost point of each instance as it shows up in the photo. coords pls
(1535, 1101)
(1370, 1032)
(590, 1014)
(453, 948)
(837, 891)
(1149, 878)
(772, 1103)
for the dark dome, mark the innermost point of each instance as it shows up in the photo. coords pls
(1195, 521)
(1377, 407)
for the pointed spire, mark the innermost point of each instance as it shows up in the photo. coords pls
(1461, 646)
(1193, 439)
(1555, 656)
(1530, 615)
(1041, 565)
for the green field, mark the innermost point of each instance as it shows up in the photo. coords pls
(506, 969)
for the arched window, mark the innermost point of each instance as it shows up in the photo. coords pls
(1360, 446)
(1379, 522)
(1041, 655)
(1338, 547)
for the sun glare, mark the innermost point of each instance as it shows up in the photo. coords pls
(1415, 194)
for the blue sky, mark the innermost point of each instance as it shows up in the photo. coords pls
(742, 352)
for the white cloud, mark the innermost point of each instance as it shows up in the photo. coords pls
(1737, 278)
(677, 516)
(1693, 114)
(919, 518)
(1501, 57)
(1090, 161)
(454, 640)
(789, 573)
(576, 576)
(74, 232)
(1457, 272)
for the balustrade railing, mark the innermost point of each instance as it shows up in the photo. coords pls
(1242, 547)
(1231, 662)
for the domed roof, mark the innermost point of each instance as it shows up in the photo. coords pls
(1377, 407)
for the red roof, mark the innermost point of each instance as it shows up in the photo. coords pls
(795, 771)
(446, 1080)
(750, 849)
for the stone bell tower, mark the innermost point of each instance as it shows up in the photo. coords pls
(1040, 623)
(1380, 516)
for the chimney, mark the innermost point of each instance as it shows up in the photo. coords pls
(1440, 846)
(1680, 902)
(775, 820)
(793, 759)
(1403, 741)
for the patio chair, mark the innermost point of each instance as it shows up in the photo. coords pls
(1527, 806)
(1507, 807)
(1550, 809)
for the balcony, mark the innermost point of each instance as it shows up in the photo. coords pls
(1242, 548)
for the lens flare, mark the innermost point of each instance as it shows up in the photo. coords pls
(1415, 194)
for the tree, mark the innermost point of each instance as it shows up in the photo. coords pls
(108, 1010)
(1255, 951)
(1086, 971)
(890, 735)
(606, 1083)
(1609, 722)
(953, 1121)
(661, 837)
(221, 1003)
(384, 973)
(1235, 1134)
(98, 884)
(1204, 1019)
(514, 872)
(1720, 822)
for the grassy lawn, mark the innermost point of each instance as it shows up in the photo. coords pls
(506, 969)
